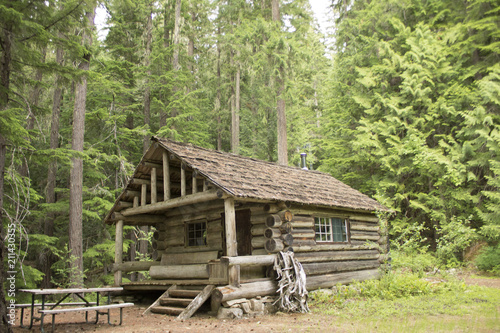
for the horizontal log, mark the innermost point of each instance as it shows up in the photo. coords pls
(303, 219)
(144, 219)
(274, 245)
(304, 242)
(288, 239)
(286, 216)
(124, 204)
(253, 260)
(298, 224)
(367, 218)
(134, 266)
(273, 221)
(172, 203)
(182, 249)
(383, 240)
(258, 242)
(286, 228)
(258, 252)
(337, 255)
(330, 280)
(189, 258)
(196, 271)
(258, 230)
(330, 247)
(258, 219)
(193, 212)
(246, 290)
(303, 233)
(338, 266)
(360, 227)
(365, 237)
(272, 233)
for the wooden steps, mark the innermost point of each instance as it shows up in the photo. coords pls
(182, 303)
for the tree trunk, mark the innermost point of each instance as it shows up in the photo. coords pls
(218, 97)
(5, 60)
(235, 110)
(280, 103)
(4, 326)
(175, 58)
(46, 258)
(76, 173)
(147, 90)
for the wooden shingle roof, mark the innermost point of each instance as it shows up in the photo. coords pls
(244, 177)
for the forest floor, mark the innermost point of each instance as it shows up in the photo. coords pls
(316, 321)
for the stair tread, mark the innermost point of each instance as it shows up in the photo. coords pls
(180, 299)
(184, 293)
(167, 310)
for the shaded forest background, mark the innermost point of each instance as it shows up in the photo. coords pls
(401, 102)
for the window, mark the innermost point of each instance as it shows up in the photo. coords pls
(196, 234)
(330, 229)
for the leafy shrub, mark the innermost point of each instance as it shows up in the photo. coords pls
(390, 286)
(417, 262)
(489, 260)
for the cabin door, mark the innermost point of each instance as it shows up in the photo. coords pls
(244, 232)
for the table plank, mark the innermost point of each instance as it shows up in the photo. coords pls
(56, 291)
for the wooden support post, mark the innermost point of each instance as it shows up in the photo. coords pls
(166, 177)
(231, 243)
(183, 181)
(154, 194)
(195, 183)
(205, 185)
(144, 192)
(118, 251)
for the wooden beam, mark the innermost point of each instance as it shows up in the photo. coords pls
(144, 192)
(246, 290)
(231, 243)
(262, 260)
(176, 202)
(135, 266)
(154, 194)
(195, 183)
(166, 176)
(152, 165)
(183, 181)
(118, 251)
(144, 219)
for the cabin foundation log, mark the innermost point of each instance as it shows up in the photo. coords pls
(305, 257)
(246, 290)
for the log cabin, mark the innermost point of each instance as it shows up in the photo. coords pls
(218, 220)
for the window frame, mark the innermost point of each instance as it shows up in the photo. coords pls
(330, 232)
(204, 233)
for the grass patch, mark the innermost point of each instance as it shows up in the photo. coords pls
(406, 303)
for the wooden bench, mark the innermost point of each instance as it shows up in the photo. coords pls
(28, 305)
(97, 309)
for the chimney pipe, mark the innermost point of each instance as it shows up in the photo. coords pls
(303, 164)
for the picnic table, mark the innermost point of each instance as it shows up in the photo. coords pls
(55, 308)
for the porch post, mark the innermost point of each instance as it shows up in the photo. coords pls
(231, 243)
(118, 251)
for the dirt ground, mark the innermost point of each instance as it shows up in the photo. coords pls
(134, 321)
